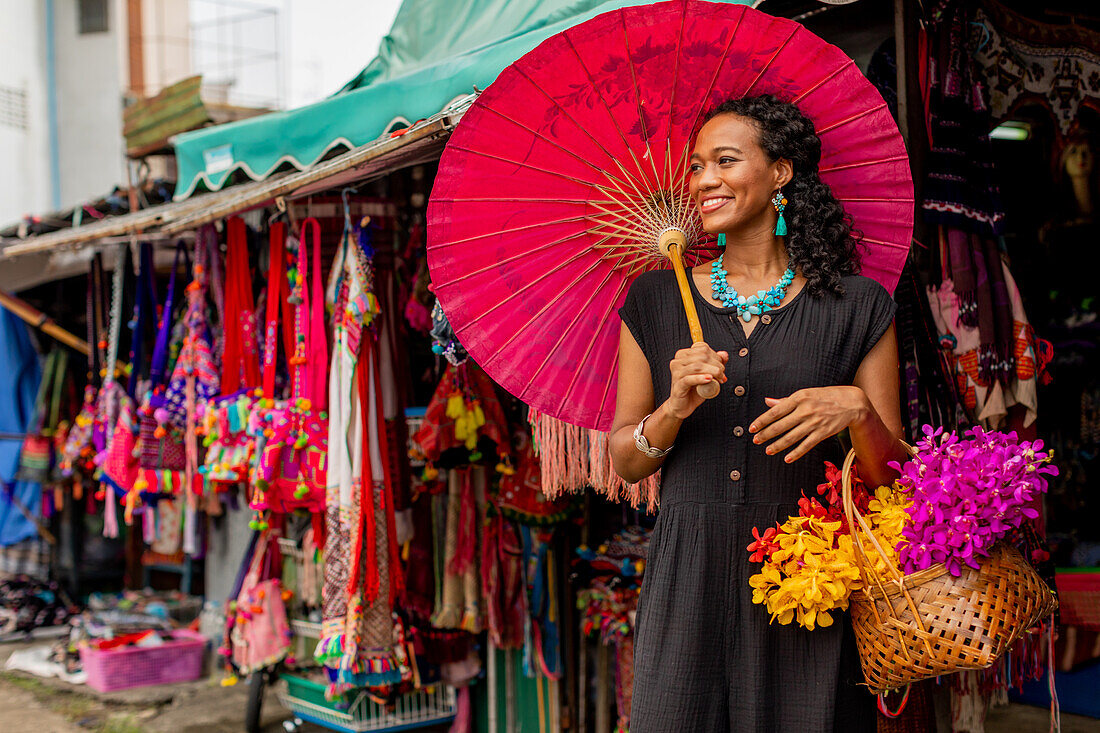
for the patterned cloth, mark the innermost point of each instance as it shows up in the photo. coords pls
(988, 399)
(357, 640)
(1025, 62)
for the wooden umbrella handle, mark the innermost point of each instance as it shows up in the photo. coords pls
(672, 243)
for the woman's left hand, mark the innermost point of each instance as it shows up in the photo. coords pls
(808, 417)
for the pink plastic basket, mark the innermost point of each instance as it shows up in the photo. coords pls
(179, 660)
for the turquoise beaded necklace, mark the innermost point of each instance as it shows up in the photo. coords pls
(753, 305)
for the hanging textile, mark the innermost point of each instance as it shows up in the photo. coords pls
(989, 400)
(78, 452)
(460, 604)
(463, 419)
(1026, 62)
(20, 374)
(362, 571)
(960, 190)
(229, 446)
(291, 468)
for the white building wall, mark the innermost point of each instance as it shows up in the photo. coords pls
(91, 75)
(24, 147)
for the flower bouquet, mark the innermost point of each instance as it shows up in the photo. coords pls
(933, 584)
(809, 561)
(968, 494)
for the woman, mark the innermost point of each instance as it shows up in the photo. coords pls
(818, 356)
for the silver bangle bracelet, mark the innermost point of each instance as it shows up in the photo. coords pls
(643, 445)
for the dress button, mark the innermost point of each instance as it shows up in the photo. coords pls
(738, 431)
(743, 352)
(739, 390)
(735, 475)
(765, 319)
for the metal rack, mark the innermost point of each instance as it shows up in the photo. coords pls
(417, 709)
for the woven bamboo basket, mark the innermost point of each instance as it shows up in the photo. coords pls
(929, 623)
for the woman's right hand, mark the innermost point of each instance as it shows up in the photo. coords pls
(691, 368)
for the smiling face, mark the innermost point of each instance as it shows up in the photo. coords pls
(732, 179)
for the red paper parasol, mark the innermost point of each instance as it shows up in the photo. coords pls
(555, 188)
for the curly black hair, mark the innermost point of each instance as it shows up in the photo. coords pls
(821, 241)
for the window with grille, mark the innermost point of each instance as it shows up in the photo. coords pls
(93, 16)
(13, 108)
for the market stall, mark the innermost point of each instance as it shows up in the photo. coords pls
(298, 436)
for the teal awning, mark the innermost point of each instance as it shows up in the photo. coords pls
(437, 52)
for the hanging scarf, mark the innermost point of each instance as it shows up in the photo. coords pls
(419, 593)
(360, 580)
(977, 273)
(960, 190)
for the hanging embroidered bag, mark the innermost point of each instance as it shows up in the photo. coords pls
(36, 458)
(229, 447)
(78, 451)
(290, 472)
(260, 635)
(162, 447)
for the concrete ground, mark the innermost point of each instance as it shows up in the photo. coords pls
(38, 705)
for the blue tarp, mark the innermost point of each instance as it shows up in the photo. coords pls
(20, 373)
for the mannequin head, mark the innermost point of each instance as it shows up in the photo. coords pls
(1078, 158)
(1077, 169)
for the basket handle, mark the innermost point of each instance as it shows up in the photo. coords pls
(863, 562)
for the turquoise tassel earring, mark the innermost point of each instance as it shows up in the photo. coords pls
(722, 241)
(779, 201)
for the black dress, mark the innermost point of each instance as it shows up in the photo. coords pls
(705, 657)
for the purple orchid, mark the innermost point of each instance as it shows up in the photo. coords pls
(968, 493)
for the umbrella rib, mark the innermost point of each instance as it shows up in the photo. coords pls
(521, 164)
(544, 138)
(568, 327)
(525, 227)
(607, 386)
(675, 78)
(565, 111)
(718, 68)
(508, 260)
(599, 93)
(527, 286)
(556, 144)
(638, 102)
(829, 77)
(773, 57)
(501, 347)
(849, 166)
(634, 205)
(628, 220)
(591, 344)
(894, 245)
(853, 118)
(876, 199)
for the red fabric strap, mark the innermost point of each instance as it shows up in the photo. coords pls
(313, 295)
(275, 293)
(397, 575)
(367, 530)
(240, 365)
